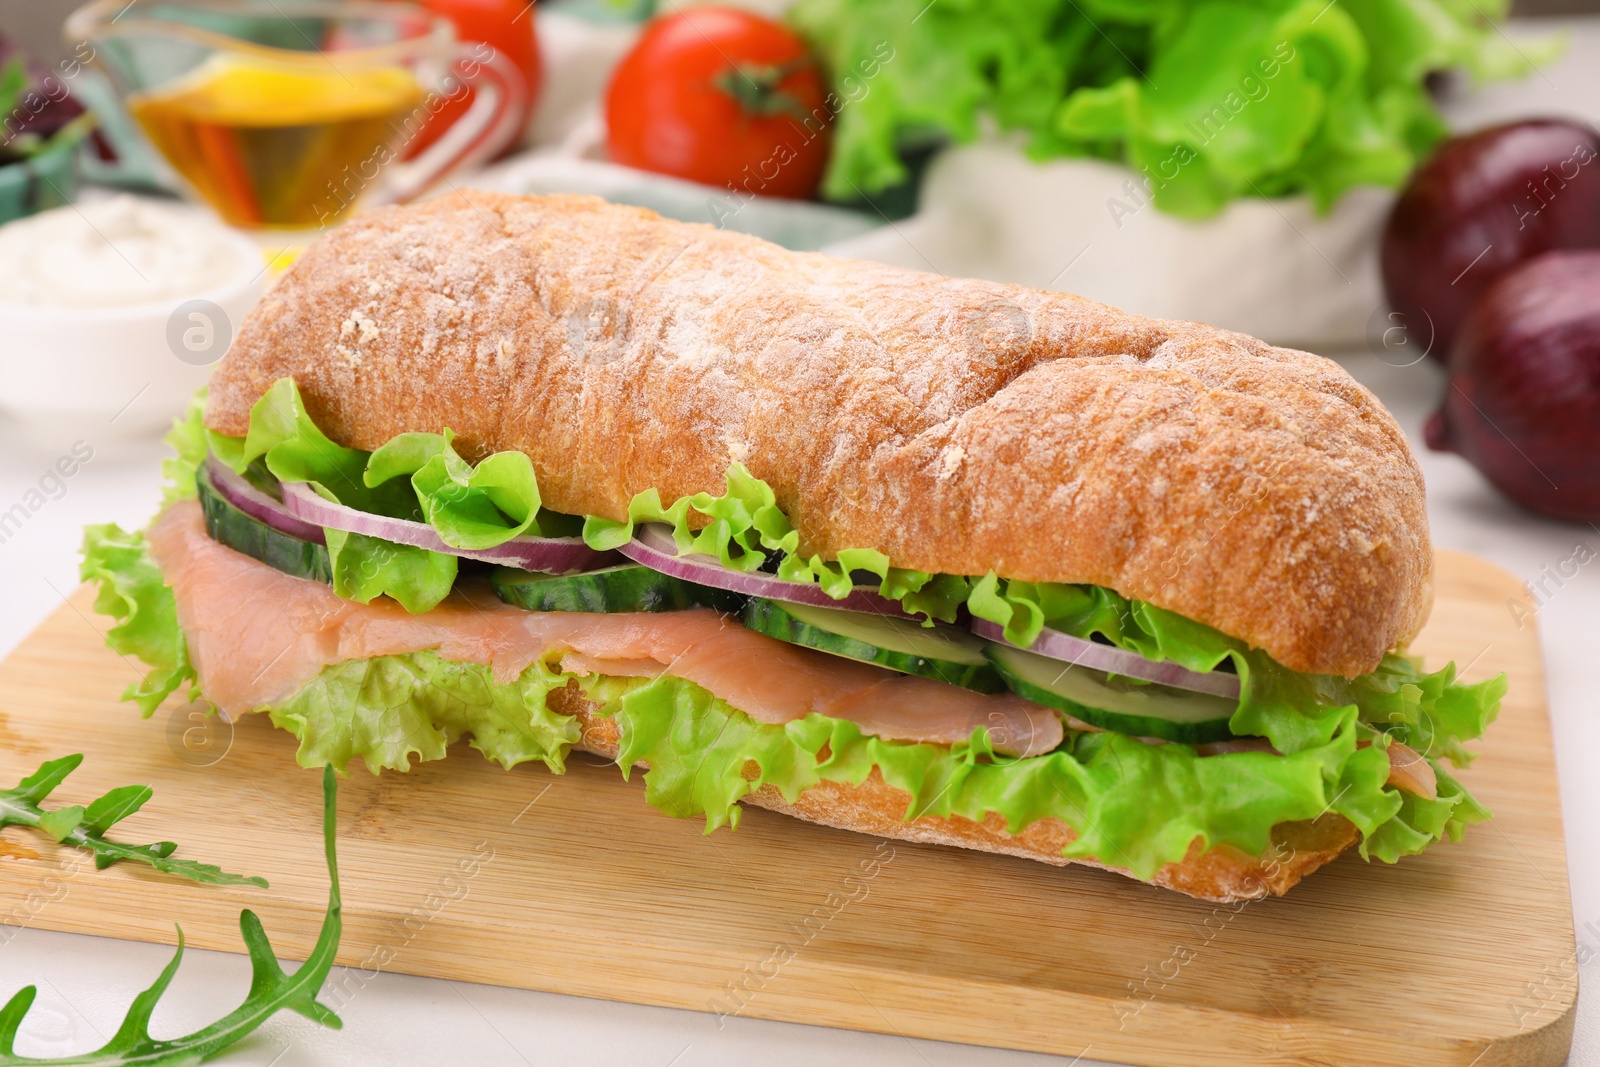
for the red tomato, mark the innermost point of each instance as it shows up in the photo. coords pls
(507, 27)
(722, 97)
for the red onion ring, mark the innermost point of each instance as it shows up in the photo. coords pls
(1113, 660)
(654, 547)
(552, 555)
(238, 491)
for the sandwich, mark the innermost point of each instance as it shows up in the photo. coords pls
(941, 560)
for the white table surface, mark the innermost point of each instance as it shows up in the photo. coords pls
(86, 982)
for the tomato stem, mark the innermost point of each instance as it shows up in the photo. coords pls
(757, 88)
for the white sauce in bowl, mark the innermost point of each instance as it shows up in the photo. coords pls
(116, 253)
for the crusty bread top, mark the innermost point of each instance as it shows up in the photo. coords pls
(960, 426)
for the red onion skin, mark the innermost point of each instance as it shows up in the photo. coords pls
(258, 505)
(654, 547)
(1468, 215)
(1523, 403)
(553, 555)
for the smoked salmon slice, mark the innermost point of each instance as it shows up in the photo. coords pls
(257, 636)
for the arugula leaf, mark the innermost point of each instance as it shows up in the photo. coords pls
(85, 828)
(271, 990)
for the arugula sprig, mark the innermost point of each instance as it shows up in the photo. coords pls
(271, 990)
(85, 827)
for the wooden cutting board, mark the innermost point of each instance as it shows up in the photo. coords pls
(1462, 956)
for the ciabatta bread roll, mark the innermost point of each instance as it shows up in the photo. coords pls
(959, 426)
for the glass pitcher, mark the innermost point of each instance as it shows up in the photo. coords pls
(286, 114)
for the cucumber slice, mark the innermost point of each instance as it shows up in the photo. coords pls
(945, 653)
(628, 587)
(229, 526)
(1113, 703)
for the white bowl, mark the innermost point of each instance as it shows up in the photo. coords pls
(1275, 269)
(122, 371)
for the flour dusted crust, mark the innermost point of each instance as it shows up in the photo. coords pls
(959, 426)
(875, 807)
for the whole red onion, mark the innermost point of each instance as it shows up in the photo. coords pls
(1523, 403)
(1479, 206)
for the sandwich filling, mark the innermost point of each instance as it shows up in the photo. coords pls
(369, 649)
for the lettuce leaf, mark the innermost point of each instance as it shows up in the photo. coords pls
(133, 591)
(1431, 712)
(386, 710)
(1134, 805)
(471, 507)
(1210, 100)
(743, 525)
(187, 439)
(420, 475)
(283, 436)
(416, 476)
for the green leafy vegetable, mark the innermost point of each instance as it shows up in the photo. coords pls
(1209, 100)
(187, 439)
(471, 507)
(15, 88)
(271, 991)
(283, 435)
(420, 476)
(85, 827)
(745, 523)
(133, 591)
(417, 476)
(1134, 805)
(384, 711)
(1430, 712)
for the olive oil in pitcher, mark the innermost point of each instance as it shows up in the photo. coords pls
(271, 145)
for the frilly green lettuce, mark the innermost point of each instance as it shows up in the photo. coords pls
(385, 711)
(1210, 100)
(1133, 805)
(471, 507)
(1430, 712)
(187, 439)
(283, 437)
(417, 476)
(133, 592)
(744, 524)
